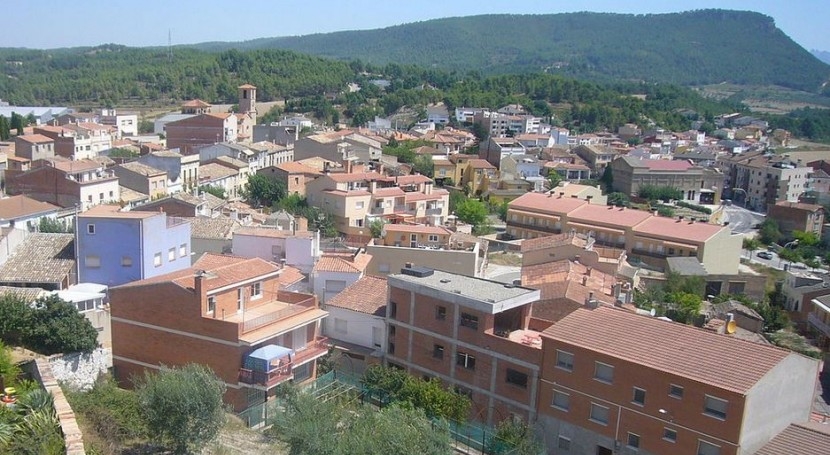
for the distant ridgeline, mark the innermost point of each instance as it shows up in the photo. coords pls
(691, 48)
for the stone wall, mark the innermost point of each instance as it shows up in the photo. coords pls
(80, 370)
(72, 436)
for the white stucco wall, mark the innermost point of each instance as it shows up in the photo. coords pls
(359, 327)
(81, 369)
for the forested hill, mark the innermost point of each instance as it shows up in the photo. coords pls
(691, 48)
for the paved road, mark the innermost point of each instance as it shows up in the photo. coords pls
(775, 262)
(740, 219)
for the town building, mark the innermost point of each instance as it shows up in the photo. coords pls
(645, 237)
(334, 272)
(188, 134)
(116, 247)
(818, 321)
(34, 147)
(435, 247)
(92, 302)
(225, 312)
(596, 156)
(143, 178)
(182, 170)
(798, 290)
(338, 146)
(83, 183)
(40, 260)
(617, 382)
(796, 216)
(293, 175)
(758, 180)
(470, 333)
(799, 437)
(698, 185)
(78, 141)
(23, 212)
(298, 249)
(356, 325)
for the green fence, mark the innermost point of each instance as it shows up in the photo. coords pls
(476, 437)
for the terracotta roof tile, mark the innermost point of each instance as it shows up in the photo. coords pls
(608, 215)
(545, 203)
(808, 438)
(41, 258)
(35, 138)
(329, 263)
(290, 276)
(416, 229)
(541, 243)
(294, 167)
(23, 206)
(675, 229)
(366, 295)
(670, 347)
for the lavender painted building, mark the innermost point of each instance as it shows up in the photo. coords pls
(119, 247)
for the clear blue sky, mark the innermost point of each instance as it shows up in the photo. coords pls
(49, 24)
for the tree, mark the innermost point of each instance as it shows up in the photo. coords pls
(806, 238)
(263, 190)
(217, 191)
(751, 244)
(553, 179)
(789, 255)
(57, 326)
(54, 225)
(607, 179)
(618, 199)
(431, 396)
(769, 232)
(685, 308)
(376, 228)
(423, 165)
(17, 123)
(182, 406)
(316, 427)
(514, 437)
(473, 211)
(5, 134)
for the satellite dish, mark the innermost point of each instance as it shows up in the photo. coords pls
(731, 326)
(653, 312)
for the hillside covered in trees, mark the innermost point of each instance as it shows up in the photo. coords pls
(691, 48)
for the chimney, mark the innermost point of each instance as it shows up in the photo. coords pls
(730, 317)
(408, 265)
(588, 272)
(591, 302)
(585, 280)
(198, 284)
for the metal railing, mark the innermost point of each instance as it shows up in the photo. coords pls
(314, 349)
(267, 378)
(819, 324)
(268, 318)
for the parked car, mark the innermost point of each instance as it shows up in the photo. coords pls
(765, 255)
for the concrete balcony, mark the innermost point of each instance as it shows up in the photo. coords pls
(313, 350)
(376, 211)
(820, 325)
(267, 379)
(434, 211)
(655, 254)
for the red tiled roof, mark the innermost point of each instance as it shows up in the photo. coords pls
(366, 295)
(35, 138)
(675, 229)
(478, 163)
(799, 205)
(415, 196)
(358, 176)
(667, 165)
(416, 229)
(410, 179)
(609, 215)
(195, 103)
(20, 206)
(386, 192)
(271, 232)
(289, 276)
(539, 202)
(328, 263)
(249, 86)
(293, 167)
(541, 243)
(76, 166)
(809, 438)
(670, 347)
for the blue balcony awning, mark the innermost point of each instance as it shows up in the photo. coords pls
(267, 357)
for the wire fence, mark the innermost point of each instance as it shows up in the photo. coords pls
(469, 437)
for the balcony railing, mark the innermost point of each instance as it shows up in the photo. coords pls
(819, 324)
(268, 318)
(434, 211)
(267, 379)
(314, 349)
(654, 254)
(376, 210)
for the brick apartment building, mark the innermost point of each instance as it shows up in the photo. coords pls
(796, 216)
(224, 312)
(471, 333)
(616, 382)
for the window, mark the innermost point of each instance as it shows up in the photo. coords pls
(211, 304)
(90, 229)
(126, 261)
(358, 205)
(516, 378)
(604, 372)
(392, 330)
(564, 443)
(89, 198)
(599, 414)
(633, 441)
(340, 325)
(669, 435)
(171, 254)
(393, 310)
(92, 262)
(466, 360)
(157, 259)
(433, 238)
(240, 297)
(639, 396)
(392, 348)
(564, 360)
(440, 312)
(705, 448)
(183, 250)
(112, 194)
(100, 196)
(561, 400)
(383, 268)
(715, 407)
(256, 290)
(470, 321)
(438, 352)
(675, 391)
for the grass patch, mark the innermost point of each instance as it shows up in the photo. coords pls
(505, 258)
